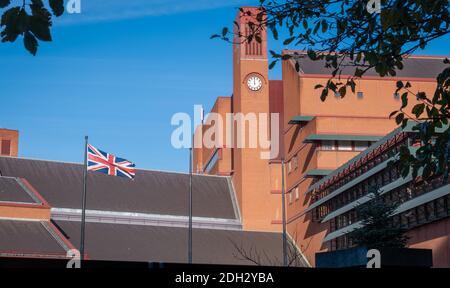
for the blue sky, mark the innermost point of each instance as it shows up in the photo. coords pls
(118, 74)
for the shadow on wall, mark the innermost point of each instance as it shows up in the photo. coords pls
(435, 236)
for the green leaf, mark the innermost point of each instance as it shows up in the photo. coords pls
(274, 32)
(40, 23)
(312, 55)
(57, 7)
(40, 30)
(422, 44)
(10, 20)
(418, 109)
(288, 41)
(272, 64)
(421, 95)
(343, 91)
(305, 24)
(22, 21)
(274, 54)
(224, 31)
(404, 99)
(30, 43)
(324, 26)
(399, 118)
(352, 85)
(324, 94)
(316, 28)
(427, 171)
(4, 3)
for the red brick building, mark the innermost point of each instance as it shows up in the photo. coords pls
(317, 139)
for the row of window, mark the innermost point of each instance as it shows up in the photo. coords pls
(401, 194)
(380, 179)
(423, 214)
(360, 95)
(357, 171)
(331, 145)
(344, 145)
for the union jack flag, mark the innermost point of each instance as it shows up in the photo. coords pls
(109, 164)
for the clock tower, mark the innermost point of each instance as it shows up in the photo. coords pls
(251, 176)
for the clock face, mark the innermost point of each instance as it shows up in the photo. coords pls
(254, 83)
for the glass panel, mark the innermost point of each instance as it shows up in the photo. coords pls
(327, 145)
(212, 162)
(345, 145)
(361, 145)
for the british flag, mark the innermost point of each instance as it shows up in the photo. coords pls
(109, 164)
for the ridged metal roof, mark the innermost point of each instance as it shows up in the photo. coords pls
(169, 244)
(414, 67)
(152, 192)
(26, 238)
(12, 191)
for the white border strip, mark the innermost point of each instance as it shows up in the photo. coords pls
(131, 218)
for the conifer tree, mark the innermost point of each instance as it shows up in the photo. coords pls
(378, 230)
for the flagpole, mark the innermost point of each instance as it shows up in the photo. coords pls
(283, 197)
(83, 209)
(190, 205)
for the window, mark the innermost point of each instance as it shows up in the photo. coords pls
(430, 211)
(327, 145)
(440, 207)
(290, 198)
(295, 162)
(421, 214)
(296, 193)
(212, 162)
(360, 95)
(6, 147)
(345, 145)
(386, 177)
(448, 203)
(361, 145)
(289, 166)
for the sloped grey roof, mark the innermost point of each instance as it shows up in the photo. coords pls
(414, 67)
(168, 244)
(28, 237)
(12, 191)
(150, 192)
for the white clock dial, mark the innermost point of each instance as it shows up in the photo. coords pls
(254, 83)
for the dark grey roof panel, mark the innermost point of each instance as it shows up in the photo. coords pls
(11, 191)
(417, 67)
(27, 237)
(164, 244)
(150, 192)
